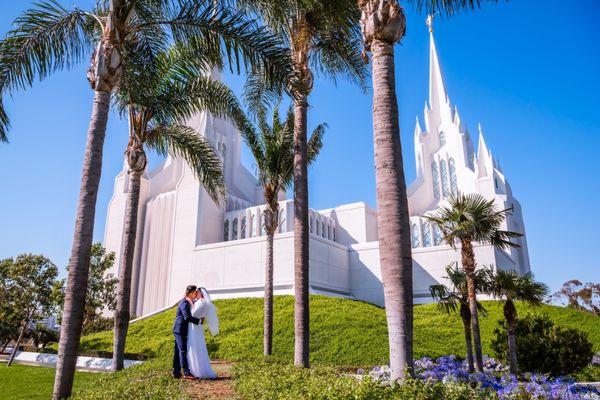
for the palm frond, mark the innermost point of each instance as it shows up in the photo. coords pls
(46, 38)
(447, 7)
(183, 141)
(243, 40)
(315, 143)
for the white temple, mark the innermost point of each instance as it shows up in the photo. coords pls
(184, 237)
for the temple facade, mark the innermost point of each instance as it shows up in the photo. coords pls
(184, 237)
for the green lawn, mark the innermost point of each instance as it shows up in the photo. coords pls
(27, 382)
(343, 332)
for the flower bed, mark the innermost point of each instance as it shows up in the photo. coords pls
(494, 379)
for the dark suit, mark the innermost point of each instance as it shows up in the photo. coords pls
(180, 330)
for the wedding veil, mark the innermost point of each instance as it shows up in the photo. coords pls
(212, 319)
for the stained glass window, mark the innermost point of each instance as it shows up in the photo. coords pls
(226, 230)
(426, 234)
(444, 170)
(453, 181)
(234, 226)
(436, 179)
(416, 237)
(251, 231)
(243, 228)
(438, 238)
(442, 138)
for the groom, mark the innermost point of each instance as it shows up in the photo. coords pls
(180, 331)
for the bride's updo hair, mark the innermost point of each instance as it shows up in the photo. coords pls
(190, 289)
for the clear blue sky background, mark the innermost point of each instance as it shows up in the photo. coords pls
(528, 72)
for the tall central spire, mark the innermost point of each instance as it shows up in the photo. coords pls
(438, 98)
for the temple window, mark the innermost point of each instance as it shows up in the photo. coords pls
(323, 230)
(234, 226)
(436, 179)
(444, 170)
(442, 138)
(243, 228)
(281, 221)
(438, 238)
(226, 230)
(426, 234)
(453, 180)
(415, 236)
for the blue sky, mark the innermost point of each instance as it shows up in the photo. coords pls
(528, 74)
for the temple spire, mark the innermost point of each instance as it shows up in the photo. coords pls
(438, 98)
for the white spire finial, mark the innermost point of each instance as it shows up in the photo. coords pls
(429, 22)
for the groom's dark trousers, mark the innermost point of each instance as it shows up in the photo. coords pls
(180, 330)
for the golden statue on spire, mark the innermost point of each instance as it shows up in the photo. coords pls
(429, 22)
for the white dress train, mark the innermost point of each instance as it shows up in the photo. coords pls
(197, 353)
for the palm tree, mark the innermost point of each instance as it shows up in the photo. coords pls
(273, 150)
(456, 297)
(321, 35)
(156, 98)
(48, 37)
(469, 218)
(514, 287)
(383, 25)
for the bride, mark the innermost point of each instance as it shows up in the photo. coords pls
(197, 353)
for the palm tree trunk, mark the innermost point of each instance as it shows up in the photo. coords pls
(393, 223)
(77, 279)
(466, 319)
(301, 268)
(125, 268)
(510, 313)
(468, 262)
(268, 302)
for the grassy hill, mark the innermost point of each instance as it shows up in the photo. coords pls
(343, 332)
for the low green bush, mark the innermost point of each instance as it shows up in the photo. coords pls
(274, 381)
(544, 347)
(591, 373)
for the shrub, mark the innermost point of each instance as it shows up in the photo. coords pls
(545, 347)
(99, 324)
(273, 381)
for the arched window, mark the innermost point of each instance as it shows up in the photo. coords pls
(444, 170)
(243, 228)
(438, 238)
(426, 234)
(334, 234)
(318, 227)
(251, 230)
(442, 138)
(226, 230)
(329, 232)
(323, 230)
(261, 221)
(453, 181)
(310, 223)
(234, 226)
(281, 221)
(436, 179)
(415, 236)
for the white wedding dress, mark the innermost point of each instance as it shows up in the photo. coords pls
(197, 353)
